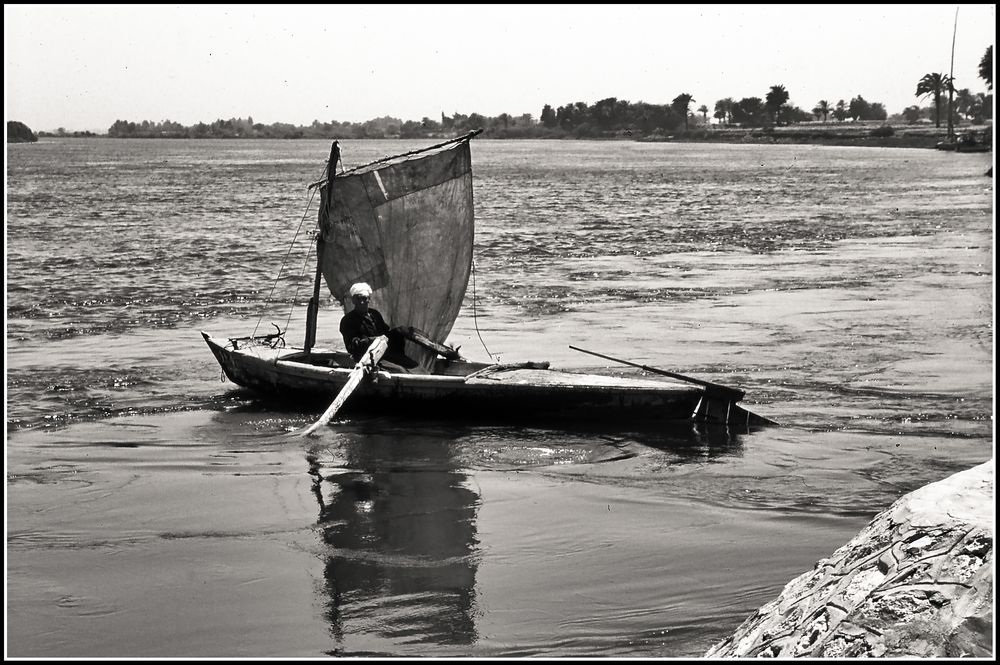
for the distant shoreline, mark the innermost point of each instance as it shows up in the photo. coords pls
(872, 135)
(860, 134)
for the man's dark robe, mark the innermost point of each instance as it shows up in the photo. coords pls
(360, 330)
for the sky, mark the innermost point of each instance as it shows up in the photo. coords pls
(82, 67)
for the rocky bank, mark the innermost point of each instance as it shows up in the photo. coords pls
(916, 582)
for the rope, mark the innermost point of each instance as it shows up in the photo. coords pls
(305, 212)
(283, 262)
(475, 319)
(291, 310)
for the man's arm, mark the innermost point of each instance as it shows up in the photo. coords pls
(381, 326)
(355, 340)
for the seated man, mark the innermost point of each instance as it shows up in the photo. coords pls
(363, 324)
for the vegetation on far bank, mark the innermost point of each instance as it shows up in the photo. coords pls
(609, 118)
(758, 119)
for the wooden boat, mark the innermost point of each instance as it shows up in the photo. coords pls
(405, 225)
(967, 142)
(459, 388)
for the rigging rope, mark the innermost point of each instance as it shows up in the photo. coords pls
(305, 212)
(291, 310)
(475, 319)
(283, 262)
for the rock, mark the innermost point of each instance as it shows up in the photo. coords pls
(916, 582)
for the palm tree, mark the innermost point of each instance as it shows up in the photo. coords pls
(986, 67)
(749, 112)
(775, 99)
(964, 101)
(840, 111)
(680, 104)
(703, 110)
(822, 109)
(724, 110)
(934, 84)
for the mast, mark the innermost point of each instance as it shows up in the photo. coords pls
(312, 311)
(951, 78)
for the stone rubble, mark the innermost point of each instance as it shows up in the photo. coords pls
(916, 582)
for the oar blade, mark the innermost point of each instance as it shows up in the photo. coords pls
(367, 364)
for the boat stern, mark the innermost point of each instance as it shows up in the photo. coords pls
(722, 409)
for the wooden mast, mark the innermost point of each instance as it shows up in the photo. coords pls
(951, 79)
(312, 311)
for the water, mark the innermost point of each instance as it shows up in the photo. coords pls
(154, 511)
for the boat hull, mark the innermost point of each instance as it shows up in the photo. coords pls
(466, 390)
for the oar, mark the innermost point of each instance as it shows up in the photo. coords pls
(733, 394)
(365, 365)
(418, 336)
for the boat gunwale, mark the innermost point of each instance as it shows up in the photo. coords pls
(583, 380)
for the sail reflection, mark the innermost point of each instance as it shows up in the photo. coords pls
(399, 523)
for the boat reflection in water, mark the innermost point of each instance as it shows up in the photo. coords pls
(696, 441)
(398, 505)
(398, 520)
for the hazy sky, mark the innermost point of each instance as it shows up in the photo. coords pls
(81, 67)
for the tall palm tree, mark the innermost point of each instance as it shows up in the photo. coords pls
(822, 109)
(703, 110)
(680, 104)
(934, 84)
(775, 99)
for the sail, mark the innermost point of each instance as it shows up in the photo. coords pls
(404, 225)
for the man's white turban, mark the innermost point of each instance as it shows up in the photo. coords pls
(361, 289)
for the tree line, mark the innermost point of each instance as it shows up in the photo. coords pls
(606, 118)
(975, 107)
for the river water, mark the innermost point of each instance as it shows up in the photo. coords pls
(155, 511)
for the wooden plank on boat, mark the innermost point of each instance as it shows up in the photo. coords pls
(418, 336)
(507, 367)
(598, 383)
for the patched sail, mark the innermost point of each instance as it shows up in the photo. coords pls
(404, 225)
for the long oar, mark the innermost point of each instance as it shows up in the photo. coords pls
(365, 365)
(734, 394)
